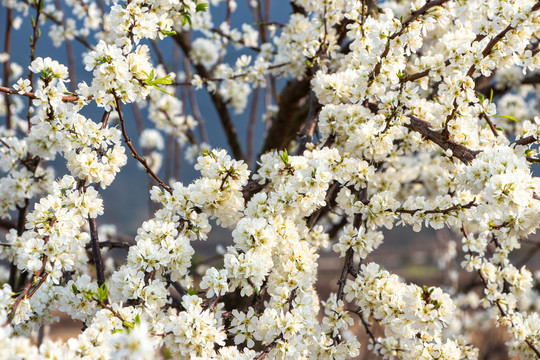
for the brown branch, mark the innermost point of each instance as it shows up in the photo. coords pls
(133, 151)
(228, 37)
(286, 124)
(26, 289)
(504, 314)
(414, 15)
(69, 51)
(7, 50)
(194, 105)
(7, 225)
(96, 253)
(446, 211)
(58, 22)
(347, 266)
(217, 100)
(32, 96)
(269, 348)
(251, 126)
(33, 43)
(366, 326)
(251, 188)
(497, 303)
(525, 141)
(113, 244)
(491, 125)
(306, 134)
(422, 127)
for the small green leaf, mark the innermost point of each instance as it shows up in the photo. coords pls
(285, 157)
(507, 117)
(74, 288)
(128, 325)
(102, 293)
(160, 89)
(116, 331)
(201, 7)
(168, 33)
(192, 291)
(162, 81)
(137, 320)
(528, 152)
(491, 96)
(481, 97)
(41, 4)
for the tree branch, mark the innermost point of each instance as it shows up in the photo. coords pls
(422, 127)
(219, 103)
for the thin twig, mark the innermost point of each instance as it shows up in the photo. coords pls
(219, 103)
(251, 126)
(7, 50)
(32, 95)
(133, 151)
(69, 51)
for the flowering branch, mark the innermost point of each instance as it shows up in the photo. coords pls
(31, 95)
(26, 293)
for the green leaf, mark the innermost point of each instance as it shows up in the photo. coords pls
(160, 89)
(507, 117)
(528, 152)
(41, 4)
(481, 97)
(137, 320)
(150, 81)
(192, 291)
(201, 7)
(102, 293)
(491, 96)
(162, 81)
(128, 325)
(285, 157)
(74, 288)
(168, 33)
(116, 331)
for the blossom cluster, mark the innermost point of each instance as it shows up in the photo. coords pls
(405, 113)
